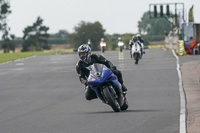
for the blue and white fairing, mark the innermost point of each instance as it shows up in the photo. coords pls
(99, 76)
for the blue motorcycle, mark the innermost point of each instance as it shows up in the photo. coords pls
(107, 87)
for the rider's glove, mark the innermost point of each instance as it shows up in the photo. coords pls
(113, 68)
(85, 82)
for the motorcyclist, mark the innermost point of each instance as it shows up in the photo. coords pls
(120, 43)
(102, 45)
(89, 43)
(87, 59)
(131, 42)
(141, 42)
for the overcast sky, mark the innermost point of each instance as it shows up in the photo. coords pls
(116, 16)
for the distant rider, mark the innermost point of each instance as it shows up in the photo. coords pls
(87, 59)
(89, 43)
(131, 42)
(120, 43)
(141, 42)
(103, 45)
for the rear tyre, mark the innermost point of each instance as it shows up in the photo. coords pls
(111, 99)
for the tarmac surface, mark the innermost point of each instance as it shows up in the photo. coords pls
(43, 94)
(190, 69)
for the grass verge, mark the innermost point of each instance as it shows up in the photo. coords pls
(14, 56)
(155, 46)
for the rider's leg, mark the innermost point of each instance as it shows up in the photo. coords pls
(120, 79)
(131, 53)
(143, 48)
(89, 93)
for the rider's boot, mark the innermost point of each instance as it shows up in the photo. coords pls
(124, 88)
(143, 51)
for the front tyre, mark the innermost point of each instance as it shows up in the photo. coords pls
(111, 98)
(103, 49)
(120, 48)
(136, 56)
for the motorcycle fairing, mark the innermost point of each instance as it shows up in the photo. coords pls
(99, 76)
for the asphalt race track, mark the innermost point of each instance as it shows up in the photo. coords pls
(43, 94)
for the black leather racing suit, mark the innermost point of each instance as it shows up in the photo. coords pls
(83, 72)
(133, 41)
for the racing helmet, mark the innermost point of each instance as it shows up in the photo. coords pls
(119, 39)
(84, 52)
(138, 36)
(134, 38)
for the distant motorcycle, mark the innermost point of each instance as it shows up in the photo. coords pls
(136, 52)
(121, 45)
(107, 87)
(103, 46)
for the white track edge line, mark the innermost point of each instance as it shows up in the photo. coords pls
(182, 98)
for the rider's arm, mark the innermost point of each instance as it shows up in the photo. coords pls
(130, 44)
(141, 40)
(100, 59)
(81, 74)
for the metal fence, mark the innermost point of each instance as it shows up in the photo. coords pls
(188, 31)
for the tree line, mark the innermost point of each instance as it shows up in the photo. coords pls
(37, 38)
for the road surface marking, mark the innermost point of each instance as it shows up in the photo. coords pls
(19, 64)
(182, 98)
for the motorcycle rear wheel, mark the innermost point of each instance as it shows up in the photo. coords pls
(125, 105)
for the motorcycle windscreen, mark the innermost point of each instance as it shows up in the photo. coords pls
(95, 74)
(96, 69)
(98, 73)
(136, 47)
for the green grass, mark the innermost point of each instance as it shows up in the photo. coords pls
(155, 46)
(14, 56)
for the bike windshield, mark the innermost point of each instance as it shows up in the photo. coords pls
(96, 69)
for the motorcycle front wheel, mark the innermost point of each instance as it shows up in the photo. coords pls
(103, 49)
(110, 97)
(136, 57)
(121, 48)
